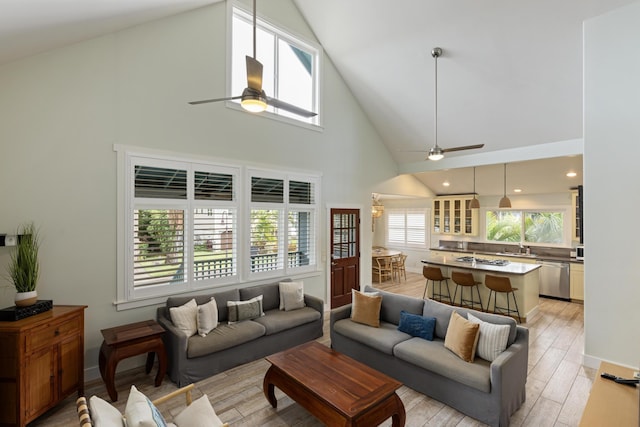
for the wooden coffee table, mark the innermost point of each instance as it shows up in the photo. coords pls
(336, 389)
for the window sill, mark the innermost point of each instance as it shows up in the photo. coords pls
(273, 116)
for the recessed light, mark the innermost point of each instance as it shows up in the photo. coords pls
(446, 183)
(571, 174)
(517, 190)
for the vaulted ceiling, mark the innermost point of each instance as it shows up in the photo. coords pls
(510, 75)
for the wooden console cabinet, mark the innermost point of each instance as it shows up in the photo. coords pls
(41, 363)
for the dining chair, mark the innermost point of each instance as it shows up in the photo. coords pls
(398, 264)
(383, 268)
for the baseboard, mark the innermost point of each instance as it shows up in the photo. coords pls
(594, 362)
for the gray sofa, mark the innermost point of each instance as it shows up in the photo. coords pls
(194, 358)
(487, 391)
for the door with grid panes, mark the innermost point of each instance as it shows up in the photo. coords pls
(345, 255)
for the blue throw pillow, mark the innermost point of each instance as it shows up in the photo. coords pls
(417, 326)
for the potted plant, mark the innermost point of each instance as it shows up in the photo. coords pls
(24, 267)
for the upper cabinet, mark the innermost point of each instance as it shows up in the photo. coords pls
(452, 215)
(576, 216)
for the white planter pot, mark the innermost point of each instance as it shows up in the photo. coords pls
(24, 299)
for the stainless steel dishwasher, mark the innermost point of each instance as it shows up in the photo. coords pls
(554, 279)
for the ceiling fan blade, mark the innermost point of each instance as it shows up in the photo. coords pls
(254, 74)
(290, 108)
(206, 101)
(465, 147)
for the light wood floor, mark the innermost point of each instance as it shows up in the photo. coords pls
(557, 385)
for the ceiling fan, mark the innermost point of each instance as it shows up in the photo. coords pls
(436, 152)
(253, 97)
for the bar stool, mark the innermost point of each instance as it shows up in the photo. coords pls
(501, 284)
(466, 280)
(435, 275)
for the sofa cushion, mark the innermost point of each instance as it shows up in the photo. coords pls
(392, 304)
(185, 317)
(434, 357)
(291, 295)
(245, 310)
(492, 340)
(365, 308)
(221, 301)
(383, 338)
(417, 325)
(207, 317)
(275, 321)
(462, 337)
(270, 294)
(223, 337)
(442, 313)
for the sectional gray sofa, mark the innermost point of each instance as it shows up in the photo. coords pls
(194, 358)
(487, 391)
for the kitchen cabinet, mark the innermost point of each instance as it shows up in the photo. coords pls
(575, 216)
(453, 215)
(42, 362)
(576, 281)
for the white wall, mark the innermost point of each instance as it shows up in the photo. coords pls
(62, 111)
(611, 152)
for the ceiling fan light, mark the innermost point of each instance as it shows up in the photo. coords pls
(253, 101)
(435, 153)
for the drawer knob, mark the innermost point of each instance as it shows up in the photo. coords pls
(57, 332)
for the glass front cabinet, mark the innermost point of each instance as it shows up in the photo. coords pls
(452, 215)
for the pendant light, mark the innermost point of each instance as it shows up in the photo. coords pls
(475, 203)
(436, 152)
(505, 202)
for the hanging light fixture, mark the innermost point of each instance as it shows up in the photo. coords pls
(436, 153)
(475, 203)
(505, 202)
(377, 209)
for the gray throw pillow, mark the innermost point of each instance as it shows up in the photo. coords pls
(245, 310)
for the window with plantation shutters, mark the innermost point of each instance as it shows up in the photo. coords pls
(406, 228)
(283, 223)
(191, 225)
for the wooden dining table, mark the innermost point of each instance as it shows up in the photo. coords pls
(382, 253)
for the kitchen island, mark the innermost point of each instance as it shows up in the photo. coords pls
(523, 276)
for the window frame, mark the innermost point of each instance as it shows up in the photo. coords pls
(296, 40)
(405, 229)
(566, 226)
(127, 157)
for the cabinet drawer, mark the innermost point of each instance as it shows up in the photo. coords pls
(48, 334)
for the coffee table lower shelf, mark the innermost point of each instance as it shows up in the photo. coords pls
(334, 388)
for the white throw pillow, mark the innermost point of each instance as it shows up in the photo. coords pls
(493, 338)
(207, 317)
(185, 317)
(140, 412)
(104, 414)
(199, 414)
(291, 295)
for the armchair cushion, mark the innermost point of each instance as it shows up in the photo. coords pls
(141, 412)
(199, 414)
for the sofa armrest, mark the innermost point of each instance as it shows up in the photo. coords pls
(314, 302)
(339, 313)
(509, 369)
(175, 341)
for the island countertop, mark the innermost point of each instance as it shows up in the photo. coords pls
(523, 276)
(511, 268)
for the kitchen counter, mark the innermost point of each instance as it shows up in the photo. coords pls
(511, 256)
(523, 276)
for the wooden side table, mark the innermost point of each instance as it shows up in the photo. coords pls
(130, 340)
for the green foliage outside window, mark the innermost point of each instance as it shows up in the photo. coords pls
(533, 227)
